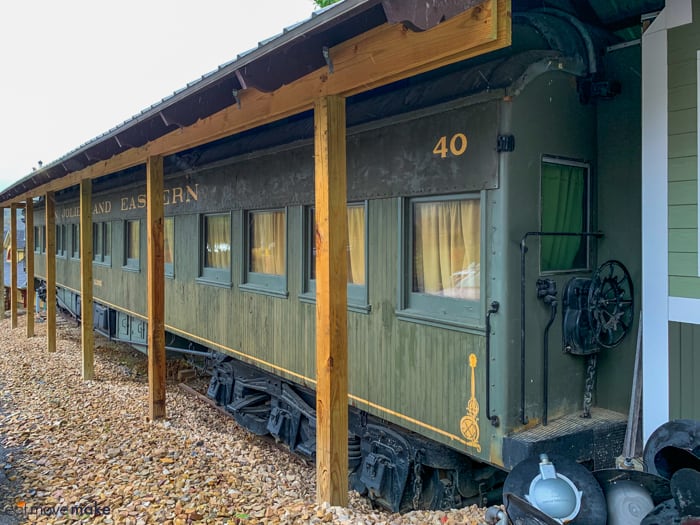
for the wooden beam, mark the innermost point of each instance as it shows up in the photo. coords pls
(50, 219)
(331, 302)
(155, 287)
(86, 300)
(29, 258)
(2, 266)
(13, 265)
(382, 55)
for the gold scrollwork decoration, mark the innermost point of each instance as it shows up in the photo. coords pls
(469, 424)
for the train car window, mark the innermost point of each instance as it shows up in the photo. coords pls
(75, 240)
(132, 236)
(102, 242)
(442, 259)
(61, 240)
(357, 255)
(564, 198)
(43, 239)
(216, 248)
(168, 245)
(37, 239)
(266, 251)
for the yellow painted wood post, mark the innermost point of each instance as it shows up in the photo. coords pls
(2, 266)
(50, 219)
(156, 287)
(86, 301)
(29, 258)
(331, 302)
(13, 264)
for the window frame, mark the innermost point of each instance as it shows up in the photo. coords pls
(586, 227)
(208, 274)
(61, 240)
(75, 240)
(37, 239)
(357, 294)
(169, 268)
(100, 254)
(131, 263)
(269, 284)
(446, 312)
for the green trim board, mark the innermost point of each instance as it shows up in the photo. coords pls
(684, 369)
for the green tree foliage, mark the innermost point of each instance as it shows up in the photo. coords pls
(324, 3)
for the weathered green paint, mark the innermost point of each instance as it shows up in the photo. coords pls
(619, 193)
(684, 370)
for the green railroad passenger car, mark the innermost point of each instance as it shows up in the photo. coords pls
(476, 330)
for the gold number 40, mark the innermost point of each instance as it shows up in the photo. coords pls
(457, 146)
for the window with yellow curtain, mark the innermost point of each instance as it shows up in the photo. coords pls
(216, 231)
(132, 243)
(267, 246)
(168, 244)
(445, 255)
(266, 252)
(356, 250)
(356, 244)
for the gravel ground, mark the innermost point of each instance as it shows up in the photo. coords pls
(87, 447)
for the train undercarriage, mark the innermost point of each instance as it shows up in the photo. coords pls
(394, 468)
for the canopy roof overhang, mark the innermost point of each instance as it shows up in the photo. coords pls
(346, 49)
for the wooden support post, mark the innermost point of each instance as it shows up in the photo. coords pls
(13, 264)
(2, 266)
(156, 287)
(29, 258)
(86, 301)
(50, 219)
(331, 302)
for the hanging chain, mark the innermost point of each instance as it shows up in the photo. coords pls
(590, 383)
(417, 480)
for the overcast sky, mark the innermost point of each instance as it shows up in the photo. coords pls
(72, 69)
